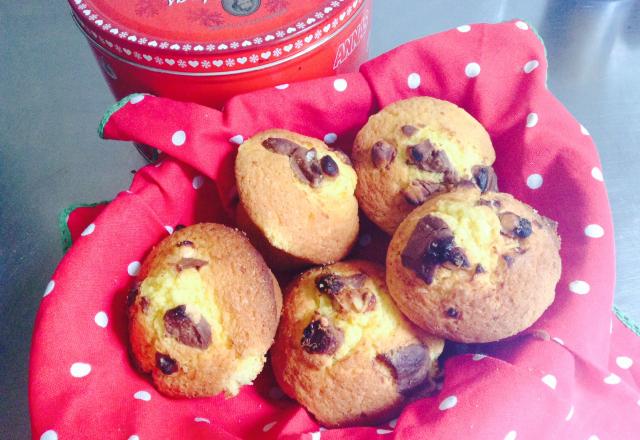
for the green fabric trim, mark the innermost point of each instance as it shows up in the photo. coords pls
(63, 217)
(628, 322)
(546, 55)
(111, 110)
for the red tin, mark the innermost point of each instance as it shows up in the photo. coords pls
(206, 51)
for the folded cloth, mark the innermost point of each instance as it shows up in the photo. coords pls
(574, 374)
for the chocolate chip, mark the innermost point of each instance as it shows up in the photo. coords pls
(410, 366)
(408, 130)
(180, 325)
(187, 263)
(508, 259)
(426, 157)
(382, 154)
(432, 244)
(347, 292)
(280, 146)
(178, 227)
(512, 225)
(133, 293)
(166, 364)
(144, 304)
(485, 178)
(419, 191)
(329, 166)
(319, 337)
(186, 243)
(306, 166)
(452, 313)
(330, 284)
(480, 268)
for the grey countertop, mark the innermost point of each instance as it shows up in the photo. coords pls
(52, 97)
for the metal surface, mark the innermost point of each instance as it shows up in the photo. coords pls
(53, 96)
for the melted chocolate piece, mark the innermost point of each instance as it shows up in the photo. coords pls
(186, 263)
(280, 146)
(410, 366)
(432, 244)
(419, 191)
(347, 292)
(408, 130)
(382, 154)
(306, 166)
(426, 157)
(329, 166)
(180, 325)
(512, 225)
(452, 313)
(330, 284)
(185, 243)
(485, 178)
(166, 364)
(319, 337)
(480, 268)
(508, 259)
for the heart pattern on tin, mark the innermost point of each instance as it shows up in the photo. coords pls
(265, 55)
(242, 60)
(193, 63)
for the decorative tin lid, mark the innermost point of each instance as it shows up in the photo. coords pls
(205, 36)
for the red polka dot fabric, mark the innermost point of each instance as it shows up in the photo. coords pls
(573, 375)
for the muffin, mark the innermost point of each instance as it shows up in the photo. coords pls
(474, 267)
(203, 312)
(416, 148)
(344, 350)
(297, 201)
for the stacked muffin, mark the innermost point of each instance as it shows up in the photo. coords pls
(356, 341)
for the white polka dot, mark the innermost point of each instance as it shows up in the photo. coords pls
(464, 28)
(597, 174)
(448, 403)
(364, 240)
(624, 362)
(330, 138)
(393, 423)
(532, 120)
(268, 426)
(583, 130)
(80, 369)
(570, 413)
(612, 379)
(413, 81)
(202, 420)
(276, 393)
(50, 286)
(88, 230)
(558, 340)
(237, 139)
(169, 229)
(315, 435)
(134, 437)
(340, 84)
(522, 25)
(101, 319)
(594, 231)
(593, 437)
(530, 66)
(478, 356)
(472, 70)
(142, 395)
(534, 181)
(133, 268)
(49, 435)
(550, 380)
(282, 86)
(138, 97)
(197, 182)
(383, 431)
(511, 435)
(179, 137)
(579, 287)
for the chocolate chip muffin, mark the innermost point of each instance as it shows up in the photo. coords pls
(416, 148)
(297, 201)
(344, 350)
(474, 267)
(203, 312)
